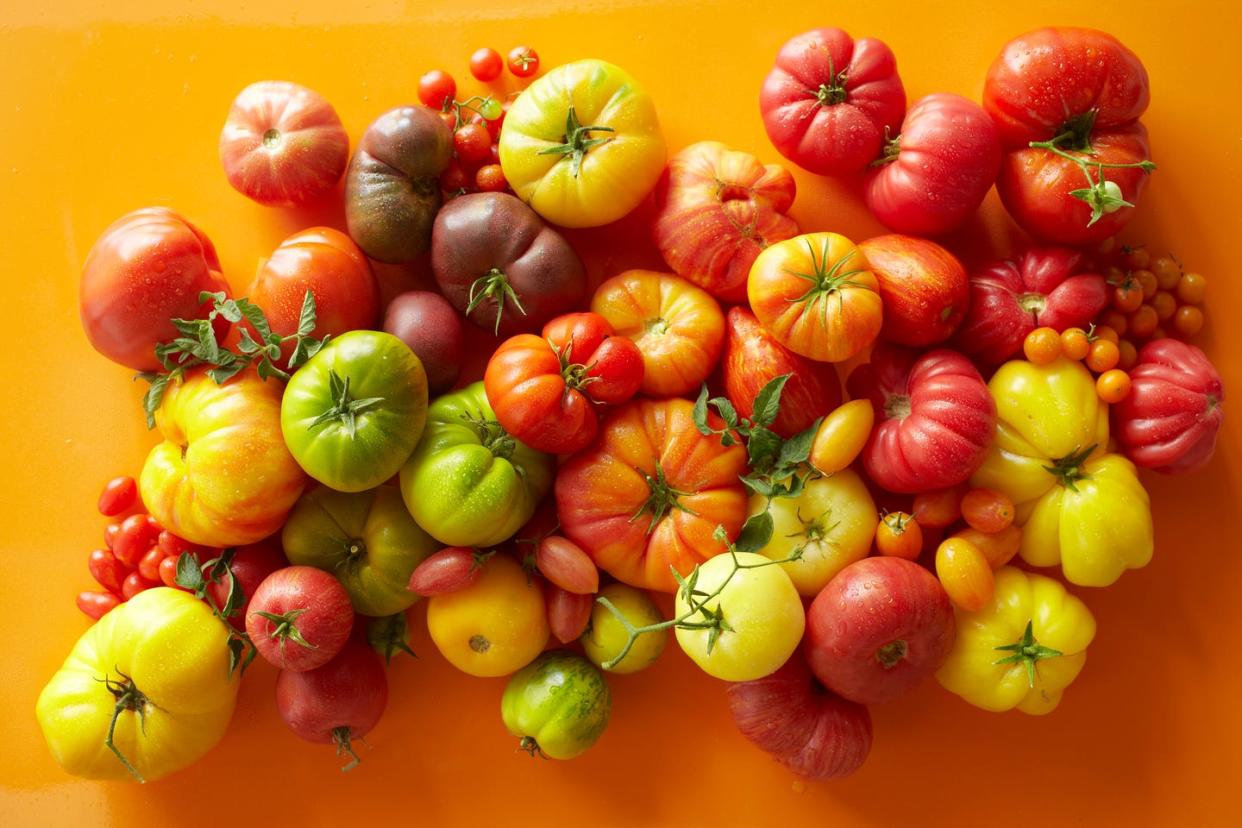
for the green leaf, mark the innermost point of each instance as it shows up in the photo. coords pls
(756, 532)
(154, 396)
(700, 413)
(762, 448)
(758, 484)
(189, 573)
(226, 373)
(797, 448)
(768, 401)
(307, 316)
(726, 410)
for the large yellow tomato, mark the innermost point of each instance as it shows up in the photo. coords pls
(159, 665)
(493, 627)
(582, 145)
(222, 476)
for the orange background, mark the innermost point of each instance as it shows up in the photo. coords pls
(102, 112)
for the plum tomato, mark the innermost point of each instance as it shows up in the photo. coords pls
(107, 571)
(168, 573)
(964, 573)
(134, 583)
(96, 604)
(451, 569)
(119, 495)
(426, 322)
(997, 547)
(569, 613)
(563, 562)
(841, 436)
(134, 538)
(939, 508)
(987, 510)
(486, 65)
(436, 89)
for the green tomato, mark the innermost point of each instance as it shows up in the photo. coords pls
(469, 483)
(558, 705)
(606, 636)
(366, 539)
(353, 413)
(762, 614)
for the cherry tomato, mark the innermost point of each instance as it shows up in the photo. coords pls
(1165, 305)
(1113, 386)
(1168, 272)
(523, 61)
(899, 535)
(473, 143)
(1103, 355)
(987, 510)
(490, 179)
(568, 612)
(450, 120)
(1042, 346)
(998, 548)
(1127, 355)
(435, 88)
(1115, 321)
(1075, 344)
(964, 573)
(1159, 333)
(134, 538)
(172, 546)
(107, 571)
(1188, 320)
(1191, 288)
(486, 65)
(1138, 258)
(1108, 333)
(563, 562)
(1147, 281)
(1127, 296)
(939, 508)
(454, 177)
(168, 573)
(96, 604)
(133, 584)
(118, 495)
(451, 569)
(110, 533)
(149, 565)
(1143, 322)
(490, 109)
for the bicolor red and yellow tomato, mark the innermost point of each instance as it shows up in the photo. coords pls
(924, 288)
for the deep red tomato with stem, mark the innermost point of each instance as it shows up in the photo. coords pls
(486, 65)
(251, 565)
(299, 618)
(473, 143)
(436, 88)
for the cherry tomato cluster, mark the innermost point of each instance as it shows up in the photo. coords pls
(1151, 298)
(1098, 347)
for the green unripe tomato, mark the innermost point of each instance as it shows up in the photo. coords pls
(605, 636)
(557, 705)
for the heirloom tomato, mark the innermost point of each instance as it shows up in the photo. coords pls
(924, 288)
(564, 564)
(817, 296)
(1077, 505)
(1066, 102)
(250, 565)
(829, 101)
(933, 176)
(430, 327)
(353, 413)
(934, 418)
(582, 145)
(469, 482)
(146, 690)
(146, 269)
(558, 706)
(678, 327)
(841, 436)
(222, 475)
(650, 491)
(283, 144)
(716, 209)
(606, 635)
(299, 618)
(1169, 420)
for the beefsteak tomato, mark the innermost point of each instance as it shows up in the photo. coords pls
(924, 288)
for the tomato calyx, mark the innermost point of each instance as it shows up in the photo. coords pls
(891, 654)
(528, 745)
(494, 285)
(897, 406)
(1026, 651)
(388, 635)
(575, 374)
(197, 578)
(342, 738)
(493, 437)
(897, 522)
(1033, 303)
(1069, 469)
(128, 697)
(286, 628)
(662, 499)
(892, 149)
(577, 141)
(826, 279)
(345, 408)
(1075, 133)
(832, 91)
(272, 138)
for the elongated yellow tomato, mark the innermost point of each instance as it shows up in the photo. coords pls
(841, 436)
(1078, 506)
(159, 664)
(222, 476)
(832, 522)
(582, 145)
(1021, 649)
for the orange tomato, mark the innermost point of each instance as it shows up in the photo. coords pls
(997, 547)
(816, 295)
(1115, 321)
(1168, 272)
(1147, 281)
(964, 573)
(1113, 386)
(939, 508)
(1143, 322)
(1075, 344)
(1164, 304)
(1191, 288)
(900, 536)
(1188, 320)
(1138, 258)
(1109, 333)
(1127, 296)
(841, 436)
(987, 510)
(1103, 355)
(1042, 346)
(1127, 355)
(677, 326)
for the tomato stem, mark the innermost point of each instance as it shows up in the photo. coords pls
(827, 279)
(286, 628)
(128, 697)
(344, 408)
(492, 435)
(892, 149)
(531, 747)
(1069, 469)
(832, 91)
(577, 141)
(662, 499)
(342, 738)
(1026, 651)
(891, 653)
(493, 285)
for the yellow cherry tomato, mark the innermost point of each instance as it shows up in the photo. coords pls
(841, 436)
(1191, 288)
(493, 627)
(606, 636)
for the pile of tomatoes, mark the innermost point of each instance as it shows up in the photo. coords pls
(323, 464)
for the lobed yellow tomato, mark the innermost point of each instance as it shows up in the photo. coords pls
(841, 436)
(606, 635)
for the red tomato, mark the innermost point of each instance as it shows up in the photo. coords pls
(299, 618)
(168, 573)
(119, 495)
(283, 144)
(717, 208)
(934, 418)
(938, 508)
(486, 65)
(829, 99)
(564, 564)
(107, 571)
(436, 88)
(1081, 91)
(96, 604)
(491, 179)
(251, 565)
(934, 175)
(146, 269)
(134, 583)
(473, 143)
(753, 358)
(110, 533)
(327, 263)
(650, 492)
(1008, 300)
(924, 288)
(134, 538)
(426, 322)
(987, 510)
(1170, 418)
(523, 61)
(451, 569)
(568, 612)
(149, 564)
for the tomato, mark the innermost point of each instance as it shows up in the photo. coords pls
(472, 143)
(678, 328)
(1113, 385)
(222, 475)
(649, 493)
(753, 358)
(899, 535)
(436, 89)
(455, 178)
(146, 269)
(327, 264)
(817, 296)
(544, 390)
(582, 145)
(998, 548)
(493, 627)
(337, 702)
(251, 565)
(154, 675)
(987, 510)
(523, 61)
(557, 706)
(469, 482)
(1167, 270)
(491, 179)
(932, 177)
(431, 328)
(717, 208)
(1188, 320)
(1143, 322)
(391, 192)
(1009, 299)
(1164, 304)
(299, 618)
(1127, 355)
(1103, 355)
(568, 612)
(563, 562)
(964, 573)
(110, 533)
(606, 635)
(353, 413)
(283, 144)
(762, 611)
(107, 571)
(500, 265)
(924, 288)
(1075, 344)
(1078, 93)
(450, 569)
(96, 605)
(1191, 288)
(366, 539)
(1042, 346)
(938, 508)
(168, 573)
(486, 65)
(134, 538)
(149, 565)
(934, 418)
(1170, 419)
(831, 523)
(1127, 296)
(119, 495)
(830, 99)
(841, 436)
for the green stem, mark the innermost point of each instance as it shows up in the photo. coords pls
(662, 499)
(493, 285)
(1070, 469)
(344, 407)
(128, 697)
(1026, 651)
(577, 141)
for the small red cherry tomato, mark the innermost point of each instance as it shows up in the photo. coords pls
(134, 538)
(486, 65)
(449, 570)
(96, 604)
(107, 571)
(149, 565)
(523, 61)
(118, 495)
(168, 573)
(473, 143)
(435, 88)
(133, 584)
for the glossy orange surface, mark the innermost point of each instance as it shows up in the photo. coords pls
(108, 107)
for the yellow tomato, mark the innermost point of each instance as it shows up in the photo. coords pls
(493, 627)
(222, 475)
(832, 521)
(159, 664)
(841, 436)
(582, 145)
(606, 635)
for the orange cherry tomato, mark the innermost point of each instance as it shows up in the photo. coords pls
(1075, 344)
(987, 510)
(1191, 288)
(1042, 346)
(900, 536)
(1108, 333)
(1164, 304)
(939, 508)
(1138, 258)
(1127, 355)
(964, 573)
(997, 547)
(1115, 321)
(1168, 272)
(1127, 296)
(1188, 320)
(1113, 386)
(1143, 322)
(1147, 281)
(1103, 355)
